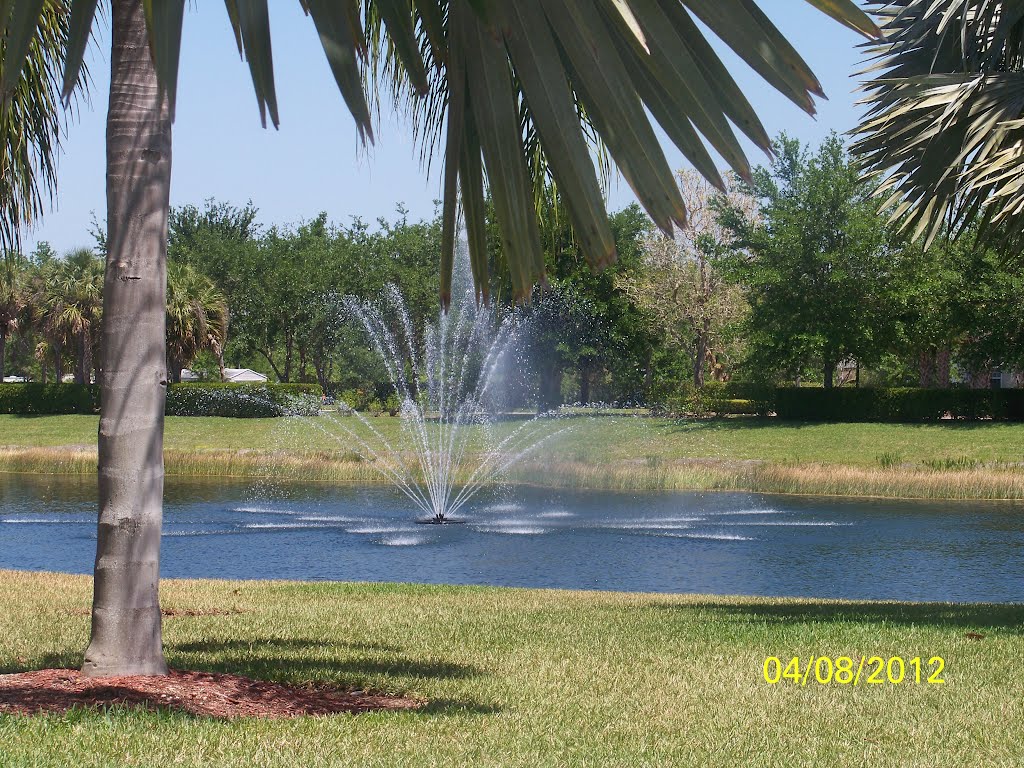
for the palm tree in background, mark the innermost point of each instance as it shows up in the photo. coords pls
(944, 134)
(514, 91)
(197, 318)
(14, 298)
(69, 308)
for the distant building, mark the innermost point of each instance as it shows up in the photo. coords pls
(231, 375)
(1005, 379)
(244, 376)
(990, 379)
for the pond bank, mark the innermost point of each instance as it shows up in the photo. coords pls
(649, 474)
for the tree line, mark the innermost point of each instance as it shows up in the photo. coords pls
(795, 277)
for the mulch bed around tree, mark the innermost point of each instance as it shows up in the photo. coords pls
(198, 693)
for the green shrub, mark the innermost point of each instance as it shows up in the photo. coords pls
(243, 400)
(355, 399)
(33, 398)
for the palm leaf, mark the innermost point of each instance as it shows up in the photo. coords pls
(943, 132)
(32, 123)
(164, 19)
(493, 101)
(550, 102)
(342, 43)
(548, 83)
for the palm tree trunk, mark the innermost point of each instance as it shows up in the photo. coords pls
(3, 351)
(126, 631)
(81, 371)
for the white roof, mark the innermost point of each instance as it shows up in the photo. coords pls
(243, 374)
(230, 374)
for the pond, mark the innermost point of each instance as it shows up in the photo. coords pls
(713, 543)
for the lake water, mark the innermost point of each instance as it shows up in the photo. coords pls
(714, 543)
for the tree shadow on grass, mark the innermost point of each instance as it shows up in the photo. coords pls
(282, 643)
(48, 661)
(995, 616)
(274, 657)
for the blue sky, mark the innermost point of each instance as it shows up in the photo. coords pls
(315, 163)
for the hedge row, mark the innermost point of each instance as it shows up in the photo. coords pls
(898, 404)
(31, 398)
(200, 399)
(904, 404)
(789, 403)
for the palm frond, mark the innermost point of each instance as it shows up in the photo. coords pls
(944, 133)
(540, 88)
(33, 50)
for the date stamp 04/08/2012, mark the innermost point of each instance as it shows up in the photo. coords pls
(846, 670)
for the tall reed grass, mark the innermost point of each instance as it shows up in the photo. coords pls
(904, 481)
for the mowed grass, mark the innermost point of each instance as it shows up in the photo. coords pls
(936, 461)
(535, 678)
(597, 439)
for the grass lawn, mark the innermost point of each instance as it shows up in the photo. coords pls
(954, 460)
(601, 439)
(535, 678)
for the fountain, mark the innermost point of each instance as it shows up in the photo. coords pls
(452, 441)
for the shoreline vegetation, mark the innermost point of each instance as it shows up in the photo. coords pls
(754, 476)
(897, 461)
(522, 677)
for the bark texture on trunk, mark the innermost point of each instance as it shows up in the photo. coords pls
(81, 357)
(584, 371)
(126, 631)
(550, 395)
(3, 352)
(700, 356)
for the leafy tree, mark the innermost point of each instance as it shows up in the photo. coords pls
(462, 55)
(581, 321)
(818, 266)
(189, 227)
(680, 286)
(43, 254)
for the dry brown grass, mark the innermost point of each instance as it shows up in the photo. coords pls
(770, 477)
(910, 482)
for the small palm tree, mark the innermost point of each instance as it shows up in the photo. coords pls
(13, 300)
(197, 318)
(70, 308)
(945, 128)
